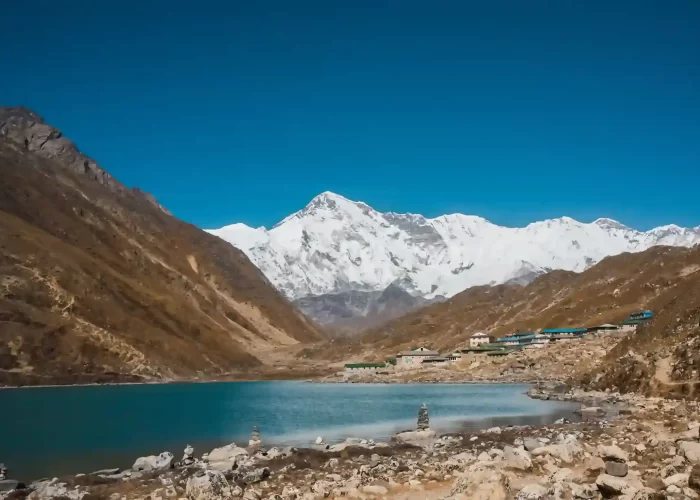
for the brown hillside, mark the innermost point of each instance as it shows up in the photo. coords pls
(658, 279)
(98, 282)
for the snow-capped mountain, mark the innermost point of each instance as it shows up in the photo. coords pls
(335, 245)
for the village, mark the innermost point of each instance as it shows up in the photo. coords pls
(483, 344)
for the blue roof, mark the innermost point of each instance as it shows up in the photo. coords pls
(564, 330)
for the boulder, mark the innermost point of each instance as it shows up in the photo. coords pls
(161, 462)
(594, 465)
(44, 490)
(227, 453)
(517, 458)
(566, 450)
(617, 469)
(561, 475)
(646, 494)
(531, 444)
(690, 450)
(319, 440)
(584, 491)
(694, 478)
(8, 485)
(421, 437)
(611, 485)
(679, 480)
(207, 485)
(532, 492)
(613, 452)
(249, 476)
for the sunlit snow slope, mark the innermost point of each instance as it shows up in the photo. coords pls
(334, 245)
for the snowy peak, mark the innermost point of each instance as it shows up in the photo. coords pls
(609, 224)
(336, 245)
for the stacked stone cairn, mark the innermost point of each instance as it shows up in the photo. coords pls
(423, 419)
(255, 442)
(615, 460)
(3, 472)
(188, 457)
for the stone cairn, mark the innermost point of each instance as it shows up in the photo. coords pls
(423, 419)
(3, 472)
(255, 438)
(188, 457)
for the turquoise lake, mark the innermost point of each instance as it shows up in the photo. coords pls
(47, 432)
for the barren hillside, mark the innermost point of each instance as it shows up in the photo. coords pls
(100, 283)
(660, 279)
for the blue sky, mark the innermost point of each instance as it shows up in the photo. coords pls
(243, 111)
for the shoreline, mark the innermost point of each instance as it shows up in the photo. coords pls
(380, 428)
(334, 466)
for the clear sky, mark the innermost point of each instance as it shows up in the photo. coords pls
(242, 111)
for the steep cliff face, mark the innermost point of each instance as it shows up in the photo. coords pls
(98, 282)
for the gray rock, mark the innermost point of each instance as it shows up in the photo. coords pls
(160, 462)
(50, 489)
(617, 469)
(531, 444)
(420, 438)
(694, 478)
(207, 485)
(532, 492)
(517, 458)
(8, 485)
(679, 480)
(246, 477)
(612, 453)
(690, 450)
(611, 485)
(584, 491)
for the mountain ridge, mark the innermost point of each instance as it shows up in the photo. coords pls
(99, 283)
(334, 245)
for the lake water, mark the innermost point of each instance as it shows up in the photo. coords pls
(46, 432)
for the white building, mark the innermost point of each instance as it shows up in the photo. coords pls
(479, 338)
(407, 360)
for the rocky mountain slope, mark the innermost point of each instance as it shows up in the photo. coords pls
(349, 312)
(335, 245)
(98, 282)
(664, 279)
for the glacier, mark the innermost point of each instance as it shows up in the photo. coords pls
(335, 245)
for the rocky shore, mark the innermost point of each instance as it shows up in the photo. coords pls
(627, 446)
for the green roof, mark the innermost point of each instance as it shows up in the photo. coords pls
(365, 365)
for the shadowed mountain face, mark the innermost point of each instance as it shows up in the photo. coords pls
(98, 282)
(349, 312)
